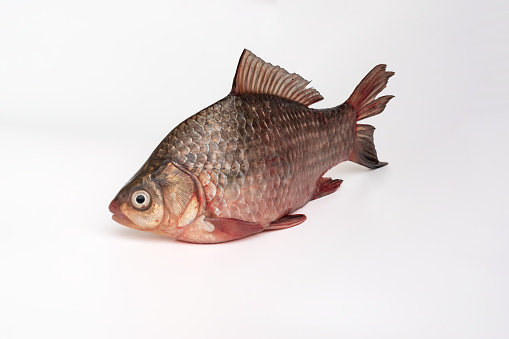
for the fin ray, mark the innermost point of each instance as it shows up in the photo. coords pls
(259, 77)
(365, 152)
(230, 229)
(365, 104)
(363, 97)
(326, 186)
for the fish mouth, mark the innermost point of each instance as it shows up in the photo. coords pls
(119, 216)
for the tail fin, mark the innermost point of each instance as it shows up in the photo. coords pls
(363, 97)
(365, 153)
(365, 105)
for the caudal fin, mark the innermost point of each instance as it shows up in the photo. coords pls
(363, 101)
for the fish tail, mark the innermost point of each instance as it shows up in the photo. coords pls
(363, 101)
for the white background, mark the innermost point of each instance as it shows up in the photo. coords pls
(417, 249)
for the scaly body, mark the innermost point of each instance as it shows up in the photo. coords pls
(245, 163)
(259, 157)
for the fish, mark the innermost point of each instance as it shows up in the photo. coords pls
(246, 163)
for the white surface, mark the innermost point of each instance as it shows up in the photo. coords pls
(418, 249)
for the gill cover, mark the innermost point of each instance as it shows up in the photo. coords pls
(184, 198)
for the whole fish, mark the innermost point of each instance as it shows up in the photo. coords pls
(244, 164)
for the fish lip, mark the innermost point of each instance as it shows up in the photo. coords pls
(119, 217)
(123, 220)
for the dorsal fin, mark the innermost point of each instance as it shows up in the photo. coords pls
(257, 76)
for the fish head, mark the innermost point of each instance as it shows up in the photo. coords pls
(162, 202)
(139, 204)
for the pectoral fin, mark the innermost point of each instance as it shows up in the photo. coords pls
(234, 228)
(216, 230)
(226, 229)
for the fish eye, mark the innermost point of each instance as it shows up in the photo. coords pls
(140, 200)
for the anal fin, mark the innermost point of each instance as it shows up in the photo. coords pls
(326, 186)
(286, 221)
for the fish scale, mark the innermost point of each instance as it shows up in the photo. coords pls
(264, 154)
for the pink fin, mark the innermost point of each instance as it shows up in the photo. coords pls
(326, 186)
(287, 221)
(259, 77)
(226, 229)
(363, 97)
